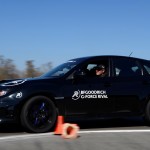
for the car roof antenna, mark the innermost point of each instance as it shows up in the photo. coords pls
(130, 54)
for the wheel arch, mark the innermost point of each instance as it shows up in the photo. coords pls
(147, 99)
(46, 94)
(144, 105)
(31, 100)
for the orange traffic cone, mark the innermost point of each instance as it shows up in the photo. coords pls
(59, 125)
(70, 131)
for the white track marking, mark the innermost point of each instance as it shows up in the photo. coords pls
(115, 131)
(33, 136)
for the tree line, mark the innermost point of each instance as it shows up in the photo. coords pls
(8, 69)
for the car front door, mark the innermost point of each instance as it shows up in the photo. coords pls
(89, 94)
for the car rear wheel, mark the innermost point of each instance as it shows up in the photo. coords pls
(38, 114)
(147, 113)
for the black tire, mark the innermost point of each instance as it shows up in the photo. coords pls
(38, 114)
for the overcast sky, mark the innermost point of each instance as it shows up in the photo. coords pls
(58, 30)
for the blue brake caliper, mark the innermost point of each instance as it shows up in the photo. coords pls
(38, 118)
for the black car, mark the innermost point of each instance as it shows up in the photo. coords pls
(73, 89)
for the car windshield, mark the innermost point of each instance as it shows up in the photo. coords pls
(61, 69)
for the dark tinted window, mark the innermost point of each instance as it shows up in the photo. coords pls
(147, 66)
(91, 68)
(126, 67)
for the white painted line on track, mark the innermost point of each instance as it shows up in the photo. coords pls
(114, 131)
(34, 136)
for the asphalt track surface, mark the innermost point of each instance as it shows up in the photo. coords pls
(110, 134)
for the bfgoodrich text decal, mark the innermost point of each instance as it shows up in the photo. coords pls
(89, 94)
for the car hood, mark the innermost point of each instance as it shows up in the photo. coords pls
(13, 82)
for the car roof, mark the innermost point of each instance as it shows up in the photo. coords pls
(108, 56)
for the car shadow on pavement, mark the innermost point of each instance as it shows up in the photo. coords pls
(11, 128)
(111, 123)
(86, 124)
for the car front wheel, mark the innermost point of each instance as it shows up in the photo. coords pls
(38, 114)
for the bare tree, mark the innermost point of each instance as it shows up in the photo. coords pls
(30, 69)
(46, 67)
(7, 69)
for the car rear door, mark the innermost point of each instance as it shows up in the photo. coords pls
(127, 85)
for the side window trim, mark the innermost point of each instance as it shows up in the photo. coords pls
(140, 67)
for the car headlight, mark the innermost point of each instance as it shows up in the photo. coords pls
(13, 83)
(2, 92)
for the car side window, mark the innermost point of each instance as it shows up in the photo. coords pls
(125, 67)
(97, 68)
(146, 65)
